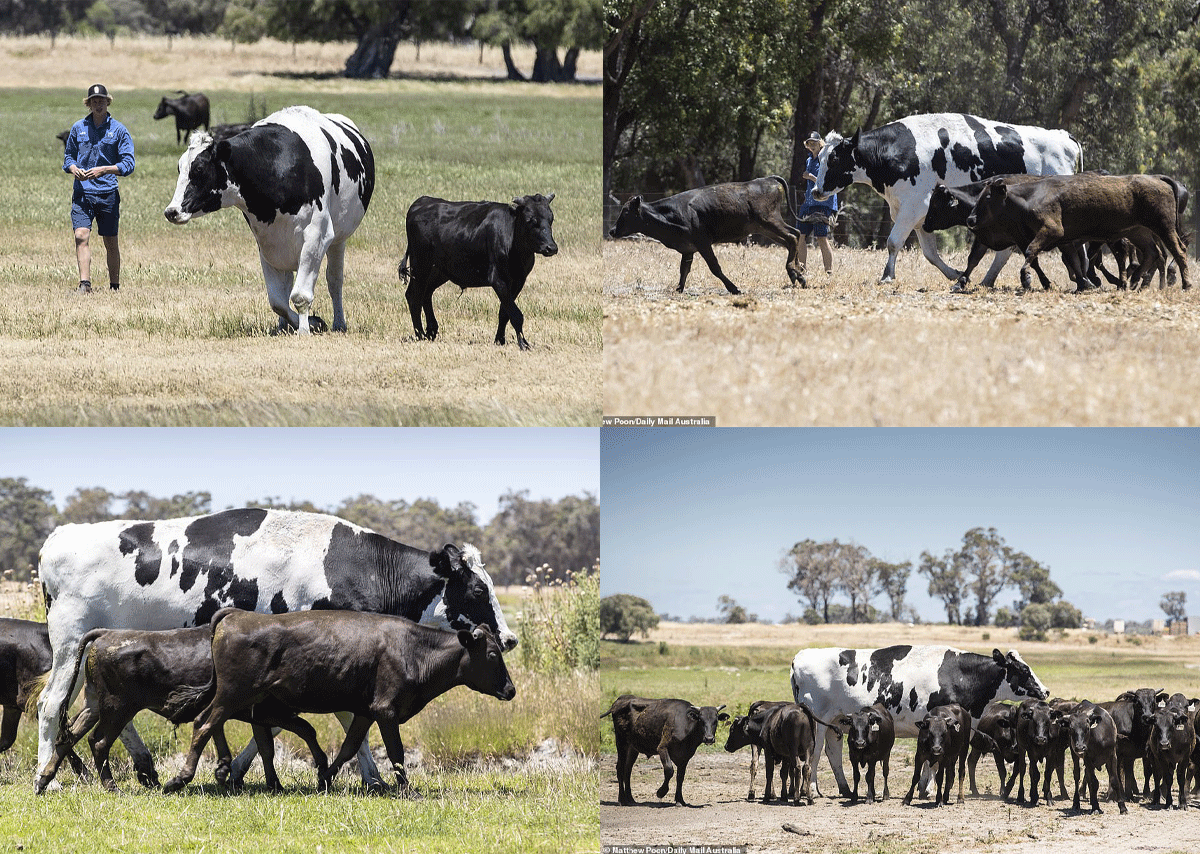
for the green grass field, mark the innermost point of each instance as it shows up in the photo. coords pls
(187, 339)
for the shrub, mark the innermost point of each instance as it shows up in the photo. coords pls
(559, 629)
(1035, 619)
(623, 614)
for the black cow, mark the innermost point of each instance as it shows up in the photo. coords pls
(1064, 209)
(1133, 714)
(788, 737)
(870, 735)
(130, 670)
(746, 730)
(944, 735)
(190, 111)
(475, 245)
(999, 725)
(25, 655)
(1093, 739)
(669, 728)
(383, 669)
(1172, 738)
(1040, 726)
(692, 221)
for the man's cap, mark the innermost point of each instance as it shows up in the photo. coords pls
(814, 137)
(97, 89)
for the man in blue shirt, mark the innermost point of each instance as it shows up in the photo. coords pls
(98, 150)
(814, 217)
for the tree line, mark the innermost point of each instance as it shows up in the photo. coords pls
(968, 580)
(376, 26)
(523, 536)
(724, 90)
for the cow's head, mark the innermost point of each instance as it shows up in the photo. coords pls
(1040, 722)
(1019, 677)
(862, 728)
(469, 597)
(705, 719)
(536, 219)
(485, 670)
(1145, 702)
(629, 221)
(946, 209)
(938, 732)
(204, 185)
(989, 206)
(1085, 718)
(838, 161)
(738, 736)
(162, 112)
(1168, 725)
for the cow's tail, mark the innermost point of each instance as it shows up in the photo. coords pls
(196, 696)
(837, 730)
(787, 197)
(403, 270)
(1079, 159)
(38, 685)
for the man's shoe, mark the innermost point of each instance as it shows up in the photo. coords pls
(85, 287)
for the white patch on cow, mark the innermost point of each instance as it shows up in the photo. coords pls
(474, 561)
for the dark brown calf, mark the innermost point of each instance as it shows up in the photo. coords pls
(668, 728)
(1092, 736)
(1039, 731)
(999, 724)
(944, 737)
(692, 221)
(870, 735)
(1065, 209)
(746, 731)
(1172, 738)
(381, 669)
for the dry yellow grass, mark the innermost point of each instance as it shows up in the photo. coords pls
(851, 352)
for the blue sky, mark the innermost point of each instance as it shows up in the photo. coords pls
(324, 466)
(689, 515)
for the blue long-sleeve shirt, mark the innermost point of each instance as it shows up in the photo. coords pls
(89, 146)
(811, 166)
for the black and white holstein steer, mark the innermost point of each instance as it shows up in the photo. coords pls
(179, 572)
(303, 181)
(382, 669)
(904, 161)
(670, 729)
(190, 111)
(474, 245)
(128, 670)
(692, 221)
(25, 655)
(907, 681)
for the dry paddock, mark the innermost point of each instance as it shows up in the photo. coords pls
(717, 782)
(852, 352)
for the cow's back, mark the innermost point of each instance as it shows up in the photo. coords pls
(24, 655)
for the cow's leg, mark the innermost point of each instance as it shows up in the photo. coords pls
(685, 267)
(58, 694)
(266, 749)
(790, 238)
(913, 786)
(223, 756)
(626, 756)
(664, 756)
(682, 764)
(962, 773)
(279, 286)
(83, 721)
(928, 241)
(972, 761)
(139, 754)
(101, 741)
(1075, 776)
(1115, 789)
(1181, 776)
(210, 719)
(356, 736)
(886, 772)
(710, 258)
(389, 730)
(305, 282)
(753, 770)
(989, 278)
(833, 752)
(857, 777)
(8, 728)
(509, 313)
(1033, 780)
(335, 259)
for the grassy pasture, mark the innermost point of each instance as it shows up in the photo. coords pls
(187, 339)
(851, 352)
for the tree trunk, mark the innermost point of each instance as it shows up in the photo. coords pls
(372, 59)
(514, 73)
(808, 99)
(546, 67)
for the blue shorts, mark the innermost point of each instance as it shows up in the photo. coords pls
(105, 209)
(816, 229)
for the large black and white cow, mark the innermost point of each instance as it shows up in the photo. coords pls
(475, 245)
(903, 162)
(908, 681)
(303, 180)
(179, 572)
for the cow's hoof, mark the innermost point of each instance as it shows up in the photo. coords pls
(662, 793)
(174, 785)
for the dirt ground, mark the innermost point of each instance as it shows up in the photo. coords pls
(717, 782)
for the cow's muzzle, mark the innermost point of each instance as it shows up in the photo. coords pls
(176, 216)
(547, 251)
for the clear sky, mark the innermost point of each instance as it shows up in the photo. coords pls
(691, 514)
(324, 466)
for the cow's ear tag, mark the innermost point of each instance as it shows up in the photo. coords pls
(874, 727)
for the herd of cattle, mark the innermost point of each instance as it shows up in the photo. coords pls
(953, 703)
(1013, 186)
(304, 180)
(252, 615)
